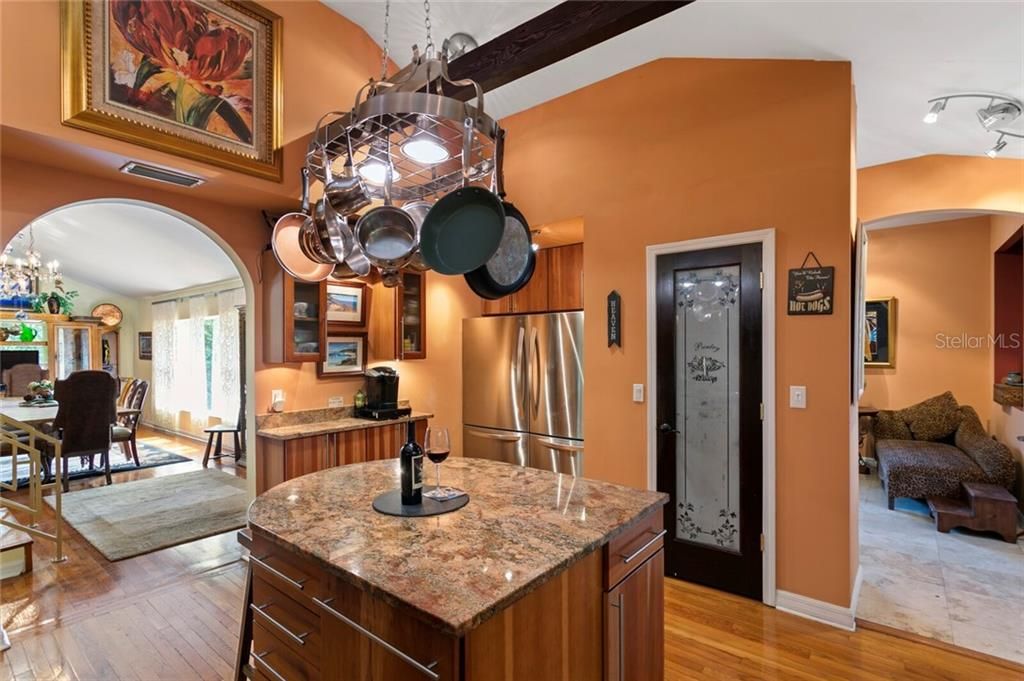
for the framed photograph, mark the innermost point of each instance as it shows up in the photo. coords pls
(145, 345)
(346, 304)
(194, 78)
(880, 333)
(346, 355)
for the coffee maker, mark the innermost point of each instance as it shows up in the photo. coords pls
(382, 396)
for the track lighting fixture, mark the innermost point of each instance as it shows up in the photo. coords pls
(1000, 111)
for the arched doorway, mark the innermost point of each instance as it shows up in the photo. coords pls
(204, 239)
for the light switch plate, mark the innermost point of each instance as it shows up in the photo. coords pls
(335, 402)
(798, 396)
(638, 392)
(276, 400)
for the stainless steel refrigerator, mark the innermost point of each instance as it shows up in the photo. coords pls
(522, 390)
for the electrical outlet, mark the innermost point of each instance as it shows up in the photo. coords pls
(276, 400)
(638, 392)
(798, 397)
(335, 402)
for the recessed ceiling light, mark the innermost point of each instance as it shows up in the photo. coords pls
(376, 173)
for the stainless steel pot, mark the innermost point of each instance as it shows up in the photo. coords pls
(387, 234)
(418, 210)
(330, 225)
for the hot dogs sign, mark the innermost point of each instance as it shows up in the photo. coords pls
(810, 288)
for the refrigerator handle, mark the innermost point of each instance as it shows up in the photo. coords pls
(520, 370)
(535, 397)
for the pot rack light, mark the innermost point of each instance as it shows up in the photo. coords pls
(999, 112)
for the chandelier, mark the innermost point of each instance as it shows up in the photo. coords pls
(19, 274)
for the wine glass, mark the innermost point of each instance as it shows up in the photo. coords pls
(437, 446)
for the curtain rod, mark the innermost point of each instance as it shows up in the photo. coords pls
(198, 295)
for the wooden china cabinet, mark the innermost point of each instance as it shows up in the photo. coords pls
(398, 319)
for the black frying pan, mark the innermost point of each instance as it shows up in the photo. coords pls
(511, 267)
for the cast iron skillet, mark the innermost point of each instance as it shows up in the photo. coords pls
(512, 265)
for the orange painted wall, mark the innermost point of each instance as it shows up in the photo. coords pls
(652, 156)
(940, 274)
(931, 183)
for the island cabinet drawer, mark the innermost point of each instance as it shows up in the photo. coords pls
(626, 552)
(370, 639)
(292, 575)
(294, 624)
(275, 660)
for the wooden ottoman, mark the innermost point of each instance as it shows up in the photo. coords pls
(988, 508)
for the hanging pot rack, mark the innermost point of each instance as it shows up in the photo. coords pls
(388, 113)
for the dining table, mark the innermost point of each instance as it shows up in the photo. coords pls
(35, 414)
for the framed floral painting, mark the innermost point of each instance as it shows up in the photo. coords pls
(195, 78)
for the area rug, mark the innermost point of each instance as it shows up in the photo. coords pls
(149, 457)
(132, 518)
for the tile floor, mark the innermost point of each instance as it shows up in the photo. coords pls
(963, 587)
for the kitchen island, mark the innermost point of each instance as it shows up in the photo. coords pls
(540, 577)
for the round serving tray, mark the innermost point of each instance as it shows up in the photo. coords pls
(390, 503)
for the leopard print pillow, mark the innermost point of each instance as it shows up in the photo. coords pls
(934, 419)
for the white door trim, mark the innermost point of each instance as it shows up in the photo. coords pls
(765, 237)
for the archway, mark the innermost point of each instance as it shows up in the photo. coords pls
(243, 275)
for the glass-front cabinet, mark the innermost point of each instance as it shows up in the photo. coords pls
(411, 316)
(72, 349)
(306, 323)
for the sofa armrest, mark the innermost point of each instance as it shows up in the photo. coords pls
(992, 456)
(889, 425)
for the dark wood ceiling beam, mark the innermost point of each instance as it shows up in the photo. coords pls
(562, 31)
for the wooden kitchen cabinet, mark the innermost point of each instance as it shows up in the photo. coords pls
(556, 286)
(291, 333)
(398, 319)
(565, 278)
(635, 605)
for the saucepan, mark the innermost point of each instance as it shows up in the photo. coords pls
(511, 267)
(286, 241)
(464, 228)
(418, 210)
(330, 225)
(387, 234)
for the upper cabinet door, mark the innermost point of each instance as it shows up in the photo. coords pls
(565, 286)
(534, 296)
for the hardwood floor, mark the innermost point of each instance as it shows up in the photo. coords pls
(173, 615)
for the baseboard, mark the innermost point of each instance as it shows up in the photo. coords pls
(820, 611)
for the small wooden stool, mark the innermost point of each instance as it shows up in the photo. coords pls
(218, 433)
(989, 508)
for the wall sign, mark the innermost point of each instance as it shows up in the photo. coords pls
(811, 288)
(614, 319)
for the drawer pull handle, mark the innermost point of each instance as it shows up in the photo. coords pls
(261, 611)
(631, 557)
(259, 561)
(426, 669)
(260, 662)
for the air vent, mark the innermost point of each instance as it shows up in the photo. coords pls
(161, 174)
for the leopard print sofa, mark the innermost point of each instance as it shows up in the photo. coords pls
(929, 449)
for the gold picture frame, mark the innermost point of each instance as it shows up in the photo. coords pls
(880, 333)
(87, 39)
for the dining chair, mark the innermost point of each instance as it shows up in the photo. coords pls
(128, 418)
(19, 376)
(86, 412)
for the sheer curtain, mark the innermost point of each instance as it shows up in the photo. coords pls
(226, 383)
(195, 360)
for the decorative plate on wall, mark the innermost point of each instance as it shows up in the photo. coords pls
(110, 314)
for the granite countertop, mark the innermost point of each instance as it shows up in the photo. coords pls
(521, 527)
(332, 425)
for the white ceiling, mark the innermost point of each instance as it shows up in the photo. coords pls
(127, 249)
(903, 53)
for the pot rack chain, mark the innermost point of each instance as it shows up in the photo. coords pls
(428, 49)
(386, 55)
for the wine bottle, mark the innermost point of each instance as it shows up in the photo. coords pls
(411, 461)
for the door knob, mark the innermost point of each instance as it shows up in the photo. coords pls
(666, 428)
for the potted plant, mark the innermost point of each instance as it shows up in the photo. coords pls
(55, 302)
(42, 390)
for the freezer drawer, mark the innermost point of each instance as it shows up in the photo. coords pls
(496, 445)
(557, 454)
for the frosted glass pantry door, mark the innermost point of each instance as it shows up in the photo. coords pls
(707, 385)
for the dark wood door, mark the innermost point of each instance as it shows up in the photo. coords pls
(709, 415)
